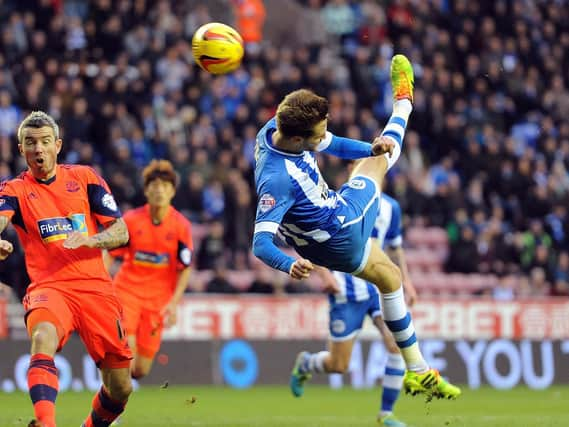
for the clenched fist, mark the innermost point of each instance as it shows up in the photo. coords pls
(301, 269)
(382, 145)
(6, 248)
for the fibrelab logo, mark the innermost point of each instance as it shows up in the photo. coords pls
(151, 259)
(53, 229)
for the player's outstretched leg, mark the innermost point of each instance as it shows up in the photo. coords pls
(300, 373)
(402, 82)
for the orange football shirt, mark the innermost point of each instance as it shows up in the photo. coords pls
(154, 256)
(44, 213)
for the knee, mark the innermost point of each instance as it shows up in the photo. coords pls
(44, 338)
(395, 276)
(391, 280)
(121, 390)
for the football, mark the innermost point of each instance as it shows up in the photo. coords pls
(217, 48)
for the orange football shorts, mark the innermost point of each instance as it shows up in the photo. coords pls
(96, 315)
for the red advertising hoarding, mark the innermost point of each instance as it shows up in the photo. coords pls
(306, 317)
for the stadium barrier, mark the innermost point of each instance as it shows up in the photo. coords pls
(244, 341)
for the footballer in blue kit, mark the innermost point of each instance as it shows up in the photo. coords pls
(299, 206)
(351, 300)
(329, 228)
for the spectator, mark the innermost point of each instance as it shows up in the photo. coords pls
(250, 16)
(504, 290)
(219, 284)
(212, 248)
(9, 114)
(463, 256)
(488, 123)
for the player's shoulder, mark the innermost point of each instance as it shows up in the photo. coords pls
(267, 127)
(81, 172)
(180, 219)
(135, 213)
(267, 154)
(75, 169)
(13, 184)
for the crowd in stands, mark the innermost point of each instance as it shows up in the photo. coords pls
(486, 155)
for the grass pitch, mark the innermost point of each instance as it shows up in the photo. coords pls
(321, 406)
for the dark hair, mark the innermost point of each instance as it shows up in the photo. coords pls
(299, 112)
(159, 169)
(38, 119)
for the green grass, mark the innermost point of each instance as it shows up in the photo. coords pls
(274, 406)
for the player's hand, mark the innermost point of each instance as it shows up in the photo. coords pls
(6, 248)
(410, 295)
(382, 145)
(76, 240)
(301, 269)
(169, 315)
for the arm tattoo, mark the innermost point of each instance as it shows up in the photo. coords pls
(115, 235)
(3, 223)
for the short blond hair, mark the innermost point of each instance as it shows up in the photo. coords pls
(38, 119)
(299, 112)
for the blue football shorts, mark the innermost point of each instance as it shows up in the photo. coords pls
(348, 249)
(346, 319)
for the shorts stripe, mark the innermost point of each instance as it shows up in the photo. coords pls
(346, 337)
(363, 263)
(350, 288)
(369, 205)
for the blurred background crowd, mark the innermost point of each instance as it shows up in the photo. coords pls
(485, 158)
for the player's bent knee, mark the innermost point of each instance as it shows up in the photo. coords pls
(44, 338)
(391, 279)
(120, 390)
(393, 283)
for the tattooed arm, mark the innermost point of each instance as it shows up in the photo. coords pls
(115, 235)
(6, 248)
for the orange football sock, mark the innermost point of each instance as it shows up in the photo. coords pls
(43, 386)
(105, 410)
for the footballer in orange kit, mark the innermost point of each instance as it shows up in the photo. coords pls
(56, 210)
(155, 265)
